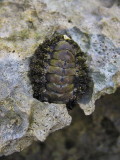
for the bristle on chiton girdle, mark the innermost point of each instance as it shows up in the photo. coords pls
(58, 71)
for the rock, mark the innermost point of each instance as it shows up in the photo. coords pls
(22, 118)
(23, 26)
(51, 118)
(104, 65)
(95, 137)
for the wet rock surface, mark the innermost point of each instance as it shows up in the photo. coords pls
(93, 25)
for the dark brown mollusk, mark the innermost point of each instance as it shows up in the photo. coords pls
(58, 71)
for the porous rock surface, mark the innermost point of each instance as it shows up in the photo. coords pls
(23, 118)
(93, 137)
(94, 25)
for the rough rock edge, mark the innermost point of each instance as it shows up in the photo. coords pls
(104, 66)
(13, 43)
(23, 118)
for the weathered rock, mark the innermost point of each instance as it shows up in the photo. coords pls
(95, 137)
(23, 26)
(104, 65)
(22, 118)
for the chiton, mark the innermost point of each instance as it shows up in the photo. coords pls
(58, 71)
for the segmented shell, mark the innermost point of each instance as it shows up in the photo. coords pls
(58, 72)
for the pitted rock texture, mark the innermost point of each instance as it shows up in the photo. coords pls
(94, 137)
(51, 118)
(23, 26)
(104, 66)
(22, 118)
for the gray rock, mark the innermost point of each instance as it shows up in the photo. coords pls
(104, 65)
(22, 118)
(23, 26)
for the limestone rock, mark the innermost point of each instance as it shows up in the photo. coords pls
(104, 65)
(22, 118)
(23, 26)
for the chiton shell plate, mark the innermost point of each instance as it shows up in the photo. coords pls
(58, 71)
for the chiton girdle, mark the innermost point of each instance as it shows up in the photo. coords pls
(58, 71)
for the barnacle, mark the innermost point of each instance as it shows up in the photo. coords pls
(58, 71)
